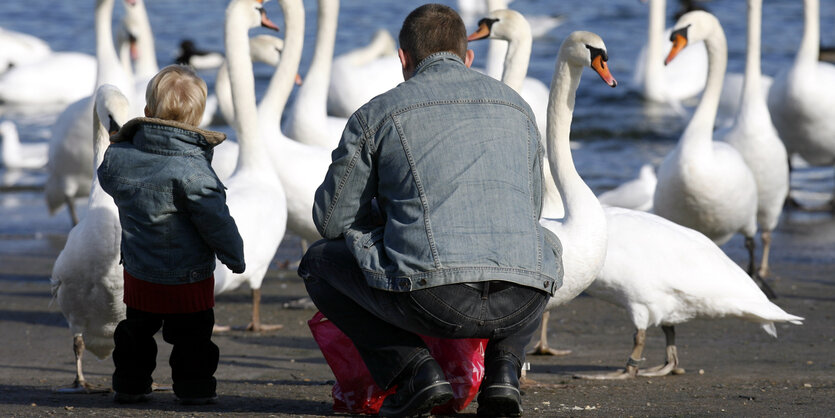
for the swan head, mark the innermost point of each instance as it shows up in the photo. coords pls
(691, 27)
(266, 49)
(251, 12)
(504, 24)
(586, 49)
(112, 108)
(7, 129)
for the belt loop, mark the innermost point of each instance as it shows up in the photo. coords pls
(485, 290)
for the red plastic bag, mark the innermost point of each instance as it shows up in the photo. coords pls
(355, 391)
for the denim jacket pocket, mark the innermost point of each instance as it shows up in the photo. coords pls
(372, 238)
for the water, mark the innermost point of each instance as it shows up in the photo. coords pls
(615, 131)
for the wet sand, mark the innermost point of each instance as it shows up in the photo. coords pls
(733, 368)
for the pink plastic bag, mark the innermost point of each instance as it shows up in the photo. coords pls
(355, 391)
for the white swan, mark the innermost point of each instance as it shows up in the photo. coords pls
(582, 231)
(17, 48)
(731, 97)
(263, 48)
(665, 274)
(801, 102)
(359, 75)
(472, 10)
(300, 167)
(255, 197)
(677, 81)
(68, 171)
(534, 92)
(755, 137)
(508, 25)
(87, 279)
(17, 155)
(60, 77)
(704, 184)
(145, 65)
(307, 120)
(634, 194)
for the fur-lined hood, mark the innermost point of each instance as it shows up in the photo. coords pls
(127, 131)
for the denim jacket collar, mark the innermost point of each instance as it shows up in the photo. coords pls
(202, 138)
(434, 58)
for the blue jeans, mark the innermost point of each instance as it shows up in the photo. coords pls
(384, 325)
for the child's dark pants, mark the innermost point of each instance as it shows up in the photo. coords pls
(193, 360)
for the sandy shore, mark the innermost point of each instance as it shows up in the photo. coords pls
(733, 367)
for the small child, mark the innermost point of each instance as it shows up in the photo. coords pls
(172, 208)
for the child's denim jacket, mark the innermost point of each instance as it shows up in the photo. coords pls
(172, 206)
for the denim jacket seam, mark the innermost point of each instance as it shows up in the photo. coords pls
(429, 103)
(533, 203)
(430, 273)
(337, 193)
(142, 185)
(427, 224)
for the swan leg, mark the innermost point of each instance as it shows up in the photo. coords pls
(541, 347)
(671, 366)
(766, 239)
(256, 324)
(71, 209)
(750, 245)
(752, 270)
(638, 343)
(80, 385)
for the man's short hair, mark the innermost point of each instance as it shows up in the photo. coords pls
(433, 28)
(177, 93)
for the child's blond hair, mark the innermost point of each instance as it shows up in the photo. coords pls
(176, 93)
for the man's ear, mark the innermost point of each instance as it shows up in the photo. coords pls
(147, 112)
(468, 59)
(405, 64)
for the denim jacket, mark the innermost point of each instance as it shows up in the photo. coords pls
(172, 206)
(453, 160)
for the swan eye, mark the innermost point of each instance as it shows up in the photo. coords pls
(487, 22)
(595, 52)
(113, 126)
(682, 32)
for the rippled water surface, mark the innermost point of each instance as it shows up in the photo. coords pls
(614, 130)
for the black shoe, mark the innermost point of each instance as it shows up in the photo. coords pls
(424, 388)
(499, 394)
(125, 398)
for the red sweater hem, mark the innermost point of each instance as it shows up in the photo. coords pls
(169, 299)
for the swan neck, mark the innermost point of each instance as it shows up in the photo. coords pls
(380, 46)
(753, 75)
(146, 63)
(655, 40)
(282, 81)
(516, 61)
(105, 50)
(243, 87)
(701, 125)
(810, 44)
(560, 113)
(496, 49)
(101, 141)
(10, 146)
(496, 53)
(319, 74)
(223, 92)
